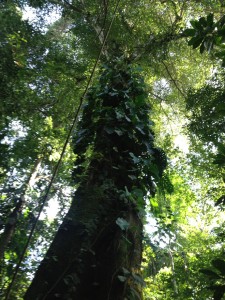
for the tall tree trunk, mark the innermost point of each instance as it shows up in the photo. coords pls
(89, 251)
(96, 253)
(13, 217)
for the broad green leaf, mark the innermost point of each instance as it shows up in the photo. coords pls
(210, 18)
(203, 21)
(189, 32)
(195, 42)
(196, 24)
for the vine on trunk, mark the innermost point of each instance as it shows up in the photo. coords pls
(115, 134)
(114, 143)
(96, 253)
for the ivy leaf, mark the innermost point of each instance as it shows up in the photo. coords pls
(125, 271)
(135, 294)
(138, 279)
(136, 160)
(119, 114)
(127, 193)
(109, 130)
(122, 223)
(140, 130)
(128, 119)
(132, 177)
(149, 145)
(119, 132)
(122, 278)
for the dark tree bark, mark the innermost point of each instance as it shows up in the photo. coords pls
(96, 253)
(88, 252)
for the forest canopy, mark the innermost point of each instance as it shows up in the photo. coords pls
(112, 150)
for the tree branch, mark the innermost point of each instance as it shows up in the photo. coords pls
(173, 80)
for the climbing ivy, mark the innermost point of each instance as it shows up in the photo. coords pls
(117, 166)
(115, 134)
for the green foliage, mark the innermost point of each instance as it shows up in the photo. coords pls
(201, 34)
(208, 34)
(42, 76)
(207, 110)
(117, 108)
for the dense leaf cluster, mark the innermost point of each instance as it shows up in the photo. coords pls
(115, 137)
(208, 34)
